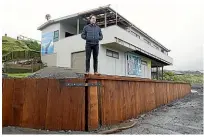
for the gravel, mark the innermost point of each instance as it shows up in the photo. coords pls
(57, 73)
(183, 116)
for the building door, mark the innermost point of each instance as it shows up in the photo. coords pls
(78, 61)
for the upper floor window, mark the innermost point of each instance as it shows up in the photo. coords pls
(146, 41)
(56, 36)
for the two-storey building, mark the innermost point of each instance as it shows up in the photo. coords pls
(125, 49)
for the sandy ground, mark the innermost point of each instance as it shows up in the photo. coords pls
(184, 116)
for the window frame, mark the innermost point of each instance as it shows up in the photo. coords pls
(56, 37)
(112, 53)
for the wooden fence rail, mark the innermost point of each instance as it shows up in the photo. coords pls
(47, 104)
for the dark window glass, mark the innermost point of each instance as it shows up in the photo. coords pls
(111, 53)
(56, 35)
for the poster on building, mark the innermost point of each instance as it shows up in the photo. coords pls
(134, 65)
(47, 46)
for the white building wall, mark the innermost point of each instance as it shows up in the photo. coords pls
(106, 65)
(109, 65)
(50, 59)
(51, 28)
(113, 66)
(64, 48)
(115, 31)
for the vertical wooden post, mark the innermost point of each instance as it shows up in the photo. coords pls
(93, 122)
(157, 73)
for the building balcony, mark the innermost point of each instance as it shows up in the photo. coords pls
(118, 38)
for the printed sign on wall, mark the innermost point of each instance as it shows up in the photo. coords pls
(47, 46)
(134, 65)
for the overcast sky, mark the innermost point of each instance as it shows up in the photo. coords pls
(174, 23)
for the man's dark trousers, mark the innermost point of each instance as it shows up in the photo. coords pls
(89, 49)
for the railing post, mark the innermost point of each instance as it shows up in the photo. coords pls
(78, 26)
(105, 19)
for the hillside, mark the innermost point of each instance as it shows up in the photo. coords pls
(23, 49)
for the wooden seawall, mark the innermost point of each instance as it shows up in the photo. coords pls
(69, 104)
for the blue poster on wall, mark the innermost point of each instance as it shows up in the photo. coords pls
(47, 46)
(134, 65)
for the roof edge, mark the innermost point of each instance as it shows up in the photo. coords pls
(69, 16)
(45, 24)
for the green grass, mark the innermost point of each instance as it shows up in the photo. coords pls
(10, 44)
(189, 78)
(19, 75)
(19, 49)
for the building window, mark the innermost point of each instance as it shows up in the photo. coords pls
(56, 36)
(134, 65)
(146, 41)
(111, 53)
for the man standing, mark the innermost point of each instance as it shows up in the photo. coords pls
(92, 34)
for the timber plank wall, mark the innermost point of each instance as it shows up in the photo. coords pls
(46, 104)
(123, 98)
(43, 104)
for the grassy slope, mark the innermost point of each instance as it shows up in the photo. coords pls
(19, 49)
(190, 78)
(10, 44)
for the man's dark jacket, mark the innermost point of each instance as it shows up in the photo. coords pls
(92, 34)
